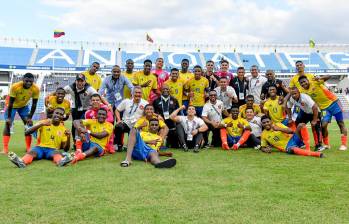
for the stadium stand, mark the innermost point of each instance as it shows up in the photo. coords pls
(57, 63)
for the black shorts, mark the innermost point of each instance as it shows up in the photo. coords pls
(304, 117)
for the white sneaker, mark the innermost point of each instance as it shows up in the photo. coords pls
(321, 148)
(343, 147)
(327, 146)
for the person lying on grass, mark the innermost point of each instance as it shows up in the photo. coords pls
(284, 139)
(94, 135)
(144, 145)
(52, 137)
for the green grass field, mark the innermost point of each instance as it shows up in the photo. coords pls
(213, 186)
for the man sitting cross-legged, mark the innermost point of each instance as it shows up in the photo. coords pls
(52, 137)
(94, 134)
(144, 145)
(190, 128)
(238, 129)
(283, 138)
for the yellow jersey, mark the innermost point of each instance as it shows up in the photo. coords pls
(140, 78)
(94, 80)
(52, 136)
(143, 119)
(242, 110)
(22, 95)
(127, 91)
(52, 104)
(294, 81)
(185, 77)
(176, 89)
(275, 110)
(147, 136)
(320, 94)
(234, 130)
(94, 126)
(198, 87)
(277, 139)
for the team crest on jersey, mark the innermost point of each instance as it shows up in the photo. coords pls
(59, 133)
(219, 106)
(302, 104)
(141, 107)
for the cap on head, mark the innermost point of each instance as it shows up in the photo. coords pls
(80, 77)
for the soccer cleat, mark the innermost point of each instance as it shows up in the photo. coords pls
(169, 163)
(320, 148)
(235, 147)
(343, 147)
(65, 160)
(322, 155)
(125, 163)
(196, 149)
(258, 147)
(327, 146)
(16, 160)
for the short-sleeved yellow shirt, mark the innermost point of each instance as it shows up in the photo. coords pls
(94, 80)
(198, 87)
(276, 112)
(22, 95)
(147, 136)
(52, 104)
(176, 89)
(140, 78)
(277, 139)
(94, 126)
(127, 91)
(143, 119)
(234, 130)
(52, 136)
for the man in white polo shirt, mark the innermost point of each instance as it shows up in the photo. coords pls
(132, 110)
(226, 93)
(212, 115)
(256, 83)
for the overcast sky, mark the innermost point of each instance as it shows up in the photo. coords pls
(178, 21)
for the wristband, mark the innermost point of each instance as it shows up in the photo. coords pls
(225, 125)
(88, 131)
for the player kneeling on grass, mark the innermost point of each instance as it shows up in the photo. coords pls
(283, 138)
(52, 137)
(145, 145)
(93, 135)
(238, 128)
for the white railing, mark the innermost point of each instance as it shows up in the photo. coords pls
(165, 46)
